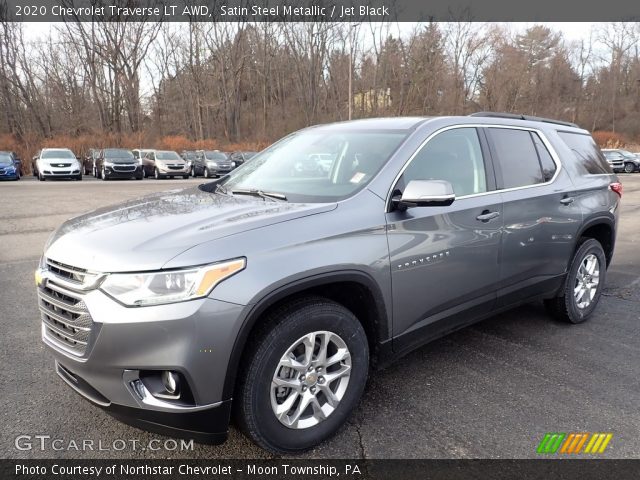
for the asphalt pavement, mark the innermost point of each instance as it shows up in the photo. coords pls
(489, 391)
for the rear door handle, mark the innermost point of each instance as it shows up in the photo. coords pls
(566, 200)
(486, 215)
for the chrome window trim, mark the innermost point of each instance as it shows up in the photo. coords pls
(543, 137)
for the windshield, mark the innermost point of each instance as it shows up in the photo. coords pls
(189, 155)
(4, 158)
(166, 155)
(627, 154)
(316, 166)
(117, 153)
(58, 154)
(215, 155)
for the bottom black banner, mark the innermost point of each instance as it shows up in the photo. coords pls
(318, 469)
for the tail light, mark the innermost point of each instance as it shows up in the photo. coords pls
(616, 187)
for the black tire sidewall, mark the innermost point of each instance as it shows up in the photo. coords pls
(273, 434)
(575, 314)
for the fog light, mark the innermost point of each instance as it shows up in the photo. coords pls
(170, 382)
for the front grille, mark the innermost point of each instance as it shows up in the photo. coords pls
(73, 274)
(66, 320)
(176, 167)
(61, 165)
(124, 168)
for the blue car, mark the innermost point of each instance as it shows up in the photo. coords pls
(9, 166)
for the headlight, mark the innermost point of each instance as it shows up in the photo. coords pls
(213, 164)
(154, 288)
(233, 164)
(107, 163)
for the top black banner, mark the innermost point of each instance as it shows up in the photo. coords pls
(318, 10)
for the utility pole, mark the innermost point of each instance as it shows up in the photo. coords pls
(351, 41)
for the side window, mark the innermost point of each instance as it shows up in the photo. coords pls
(516, 157)
(549, 167)
(454, 155)
(586, 151)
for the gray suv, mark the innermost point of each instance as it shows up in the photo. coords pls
(275, 293)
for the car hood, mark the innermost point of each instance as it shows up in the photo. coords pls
(144, 234)
(120, 160)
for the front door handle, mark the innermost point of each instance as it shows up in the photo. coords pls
(566, 200)
(486, 215)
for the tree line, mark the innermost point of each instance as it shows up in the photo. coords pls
(137, 83)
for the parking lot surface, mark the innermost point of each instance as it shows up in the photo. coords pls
(489, 391)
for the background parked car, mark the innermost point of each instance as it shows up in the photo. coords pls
(117, 163)
(164, 163)
(139, 154)
(631, 160)
(34, 165)
(89, 161)
(211, 163)
(241, 157)
(615, 159)
(57, 163)
(9, 166)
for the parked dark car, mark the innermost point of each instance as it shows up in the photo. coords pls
(117, 163)
(240, 157)
(631, 162)
(211, 163)
(10, 166)
(164, 163)
(89, 161)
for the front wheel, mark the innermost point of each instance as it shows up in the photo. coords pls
(583, 285)
(193, 172)
(156, 174)
(207, 174)
(103, 174)
(305, 375)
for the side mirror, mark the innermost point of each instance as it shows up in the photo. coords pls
(425, 193)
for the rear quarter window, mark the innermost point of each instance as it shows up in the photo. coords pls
(586, 151)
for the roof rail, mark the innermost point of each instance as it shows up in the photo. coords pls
(517, 116)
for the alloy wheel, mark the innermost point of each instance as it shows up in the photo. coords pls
(310, 380)
(587, 280)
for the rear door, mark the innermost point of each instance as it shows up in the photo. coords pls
(541, 216)
(444, 260)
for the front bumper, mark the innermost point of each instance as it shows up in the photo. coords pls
(60, 172)
(169, 170)
(192, 338)
(8, 175)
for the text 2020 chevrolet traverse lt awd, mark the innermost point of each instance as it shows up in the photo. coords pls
(280, 290)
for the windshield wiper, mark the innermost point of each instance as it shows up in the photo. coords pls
(259, 193)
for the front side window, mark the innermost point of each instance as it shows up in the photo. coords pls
(455, 156)
(517, 157)
(318, 165)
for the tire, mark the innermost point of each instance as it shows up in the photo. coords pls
(629, 168)
(186, 177)
(103, 174)
(156, 174)
(566, 307)
(255, 393)
(41, 177)
(206, 173)
(193, 171)
(79, 177)
(140, 176)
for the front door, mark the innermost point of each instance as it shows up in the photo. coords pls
(445, 260)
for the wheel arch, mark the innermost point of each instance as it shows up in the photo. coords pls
(348, 288)
(601, 228)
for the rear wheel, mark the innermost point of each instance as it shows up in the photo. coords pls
(583, 285)
(305, 375)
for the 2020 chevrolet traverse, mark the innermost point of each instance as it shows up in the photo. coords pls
(274, 293)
